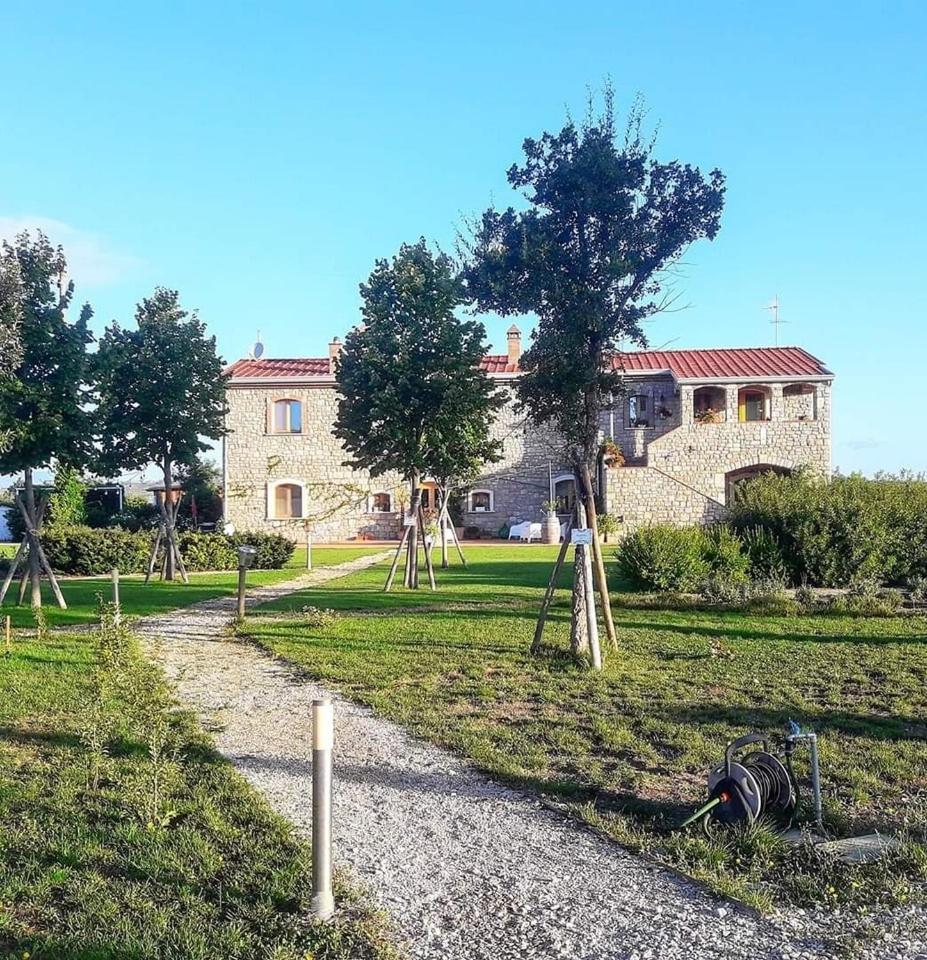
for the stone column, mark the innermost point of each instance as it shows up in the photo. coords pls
(685, 405)
(730, 402)
(777, 403)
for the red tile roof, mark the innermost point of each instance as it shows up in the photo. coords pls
(498, 363)
(735, 363)
(295, 367)
(318, 367)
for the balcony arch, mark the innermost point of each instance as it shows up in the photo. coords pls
(734, 478)
(754, 404)
(709, 404)
(800, 401)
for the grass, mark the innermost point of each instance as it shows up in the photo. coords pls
(126, 836)
(627, 749)
(139, 599)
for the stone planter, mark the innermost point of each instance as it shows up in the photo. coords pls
(550, 529)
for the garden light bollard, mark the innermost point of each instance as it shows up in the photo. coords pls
(116, 604)
(323, 739)
(246, 556)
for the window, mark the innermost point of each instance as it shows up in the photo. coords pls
(752, 404)
(288, 416)
(381, 503)
(426, 498)
(480, 501)
(565, 494)
(639, 410)
(288, 501)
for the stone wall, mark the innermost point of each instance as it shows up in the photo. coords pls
(679, 473)
(335, 498)
(638, 496)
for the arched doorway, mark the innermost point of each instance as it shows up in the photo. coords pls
(565, 494)
(734, 478)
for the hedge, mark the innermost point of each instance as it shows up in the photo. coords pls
(838, 532)
(87, 551)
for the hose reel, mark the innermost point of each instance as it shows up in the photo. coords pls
(755, 783)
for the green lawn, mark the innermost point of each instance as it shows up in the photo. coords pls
(126, 836)
(628, 748)
(139, 599)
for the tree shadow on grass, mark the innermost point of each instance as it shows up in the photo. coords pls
(772, 720)
(46, 738)
(746, 633)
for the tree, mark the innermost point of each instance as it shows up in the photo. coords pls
(202, 501)
(43, 403)
(162, 390)
(590, 257)
(413, 397)
(11, 311)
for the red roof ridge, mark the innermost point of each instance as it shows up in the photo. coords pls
(698, 363)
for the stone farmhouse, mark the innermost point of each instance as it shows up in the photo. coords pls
(690, 425)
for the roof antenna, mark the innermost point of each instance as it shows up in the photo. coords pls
(776, 320)
(257, 351)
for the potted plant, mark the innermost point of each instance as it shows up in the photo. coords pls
(611, 453)
(708, 415)
(550, 530)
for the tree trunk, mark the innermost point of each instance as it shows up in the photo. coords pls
(598, 563)
(584, 627)
(35, 572)
(411, 579)
(442, 527)
(579, 625)
(167, 518)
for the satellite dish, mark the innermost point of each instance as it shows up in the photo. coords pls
(257, 351)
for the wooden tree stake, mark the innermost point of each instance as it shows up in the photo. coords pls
(551, 589)
(428, 564)
(597, 559)
(395, 563)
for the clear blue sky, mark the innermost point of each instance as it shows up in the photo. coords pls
(259, 157)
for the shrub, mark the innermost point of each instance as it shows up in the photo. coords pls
(608, 525)
(663, 557)
(137, 513)
(273, 551)
(764, 553)
(724, 554)
(86, 551)
(318, 618)
(202, 551)
(833, 533)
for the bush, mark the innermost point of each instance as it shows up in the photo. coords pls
(764, 554)
(725, 556)
(137, 513)
(85, 551)
(837, 532)
(273, 551)
(664, 557)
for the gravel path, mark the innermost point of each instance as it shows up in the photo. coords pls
(466, 868)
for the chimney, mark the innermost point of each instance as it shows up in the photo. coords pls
(514, 337)
(334, 349)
